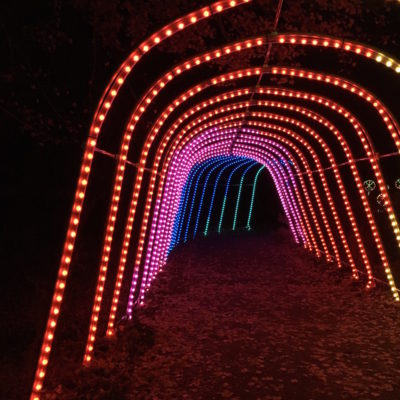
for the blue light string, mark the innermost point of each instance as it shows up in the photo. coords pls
(180, 217)
(224, 158)
(231, 158)
(198, 169)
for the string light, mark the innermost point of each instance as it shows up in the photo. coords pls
(183, 205)
(105, 105)
(216, 185)
(236, 46)
(248, 73)
(214, 81)
(237, 199)
(248, 224)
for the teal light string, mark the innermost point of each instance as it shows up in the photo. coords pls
(248, 226)
(232, 159)
(241, 163)
(240, 194)
(224, 201)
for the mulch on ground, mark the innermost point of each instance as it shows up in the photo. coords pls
(250, 316)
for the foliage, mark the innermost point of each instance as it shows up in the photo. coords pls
(59, 55)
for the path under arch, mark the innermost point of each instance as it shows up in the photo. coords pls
(252, 316)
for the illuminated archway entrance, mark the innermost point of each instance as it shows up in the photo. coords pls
(209, 127)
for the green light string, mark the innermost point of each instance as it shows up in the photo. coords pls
(240, 193)
(252, 198)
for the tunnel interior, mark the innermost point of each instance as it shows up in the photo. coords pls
(215, 139)
(228, 194)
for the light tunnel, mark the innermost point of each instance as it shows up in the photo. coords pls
(183, 150)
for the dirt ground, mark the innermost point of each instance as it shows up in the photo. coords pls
(250, 316)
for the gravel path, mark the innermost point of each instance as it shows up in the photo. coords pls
(255, 317)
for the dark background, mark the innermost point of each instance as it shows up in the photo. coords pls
(57, 58)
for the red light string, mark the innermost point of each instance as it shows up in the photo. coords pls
(307, 129)
(158, 201)
(286, 131)
(247, 74)
(265, 64)
(217, 55)
(258, 42)
(195, 151)
(193, 123)
(119, 176)
(101, 114)
(387, 118)
(323, 216)
(104, 105)
(236, 106)
(295, 187)
(190, 94)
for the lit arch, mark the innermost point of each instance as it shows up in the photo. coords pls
(254, 128)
